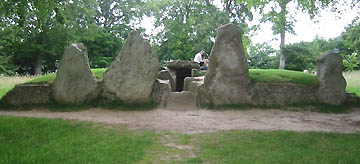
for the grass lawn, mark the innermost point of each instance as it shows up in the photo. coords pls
(277, 147)
(352, 80)
(30, 140)
(35, 140)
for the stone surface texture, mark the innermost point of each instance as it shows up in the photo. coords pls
(28, 94)
(283, 94)
(182, 64)
(132, 74)
(184, 100)
(75, 83)
(227, 77)
(332, 83)
(165, 75)
(161, 92)
(192, 83)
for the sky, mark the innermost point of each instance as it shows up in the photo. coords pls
(328, 25)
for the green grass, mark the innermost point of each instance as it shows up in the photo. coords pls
(49, 78)
(352, 80)
(8, 83)
(35, 140)
(29, 140)
(276, 147)
(281, 76)
(256, 75)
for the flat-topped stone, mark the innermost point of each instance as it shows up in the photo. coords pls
(182, 64)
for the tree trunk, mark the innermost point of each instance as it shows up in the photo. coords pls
(283, 4)
(37, 65)
(282, 45)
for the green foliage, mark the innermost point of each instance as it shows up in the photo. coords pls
(351, 62)
(25, 140)
(301, 56)
(7, 68)
(188, 27)
(281, 76)
(352, 35)
(277, 147)
(283, 21)
(261, 56)
(36, 32)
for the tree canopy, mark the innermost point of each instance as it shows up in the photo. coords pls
(34, 33)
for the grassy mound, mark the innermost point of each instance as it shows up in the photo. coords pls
(49, 78)
(281, 76)
(256, 75)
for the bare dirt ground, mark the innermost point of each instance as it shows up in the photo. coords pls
(200, 120)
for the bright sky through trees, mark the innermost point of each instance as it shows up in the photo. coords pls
(327, 25)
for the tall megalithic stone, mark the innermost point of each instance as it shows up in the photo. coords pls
(75, 83)
(227, 78)
(332, 83)
(131, 76)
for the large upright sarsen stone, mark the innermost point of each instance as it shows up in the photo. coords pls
(332, 83)
(75, 83)
(132, 74)
(227, 77)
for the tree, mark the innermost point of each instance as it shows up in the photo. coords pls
(282, 20)
(261, 56)
(301, 56)
(240, 13)
(187, 26)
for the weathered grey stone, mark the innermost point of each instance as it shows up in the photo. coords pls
(180, 69)
(182, 64)
(161, 92)
(283, 94)
(75, 83)
(165, 75)
(133, 73)
(192, 83)
(28, 94)
(184, 100)
(332, 83)
(227, 77)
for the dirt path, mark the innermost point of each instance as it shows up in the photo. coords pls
(198, 121)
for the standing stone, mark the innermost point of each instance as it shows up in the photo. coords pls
(332, 83)
(75, 83)
(227, 77)
(132, 74)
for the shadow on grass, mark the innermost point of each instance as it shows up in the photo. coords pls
(313, 107)
(109, 105)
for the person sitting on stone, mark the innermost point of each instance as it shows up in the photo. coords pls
(200, 58)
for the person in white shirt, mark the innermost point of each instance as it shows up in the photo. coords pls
(200, 58)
